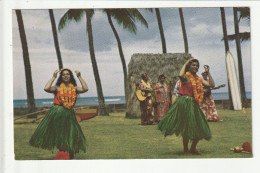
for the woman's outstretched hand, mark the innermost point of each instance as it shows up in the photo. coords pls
(78, 73)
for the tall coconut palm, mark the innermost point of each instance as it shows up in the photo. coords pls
(184, 31)
(240, 63)
(76, 15)
(224, 27)
(27, 65)
(159, 20)
(55, 38)
(126, 17)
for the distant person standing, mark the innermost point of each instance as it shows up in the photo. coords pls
(59, 128)
(146, 102)
(162, 99)
(208, 105)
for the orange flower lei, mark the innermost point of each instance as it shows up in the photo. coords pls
(196, 86)
(68, 97)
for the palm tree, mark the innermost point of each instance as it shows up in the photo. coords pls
(244, 14)
(76, 15)
(126, 17)
(184, 31)
(224, 27)
(27, 65)
(239, 57)
(158, 15)
(55, 37)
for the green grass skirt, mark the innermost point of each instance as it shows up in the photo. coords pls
(59, 129)
(185, 118)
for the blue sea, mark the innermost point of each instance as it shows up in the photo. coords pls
(108, 100)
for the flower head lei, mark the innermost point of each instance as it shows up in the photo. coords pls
(196, 87)
(68, 96)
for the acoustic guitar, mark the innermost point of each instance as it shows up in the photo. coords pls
(141, 95)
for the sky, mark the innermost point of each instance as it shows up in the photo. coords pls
(204, 32)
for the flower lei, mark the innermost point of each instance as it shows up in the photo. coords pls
(196, 86)
(68, 96)
(147, 85)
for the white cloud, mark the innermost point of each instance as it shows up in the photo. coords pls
(200, 29)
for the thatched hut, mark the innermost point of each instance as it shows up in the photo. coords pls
(154, 65)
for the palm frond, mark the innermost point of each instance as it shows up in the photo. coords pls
(123, 17)
(72, 14)
(138, 16)
(149, 9)
(244, 13)
(244, 36)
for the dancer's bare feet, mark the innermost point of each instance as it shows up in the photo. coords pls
(187, 152)
(195, 152)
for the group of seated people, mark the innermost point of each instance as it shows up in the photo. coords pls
(158, 99)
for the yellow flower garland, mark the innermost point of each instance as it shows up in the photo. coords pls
(68, 97)
(196, 86)
(147, 85)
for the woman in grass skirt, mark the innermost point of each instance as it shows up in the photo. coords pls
(59, 128)
(185, 117)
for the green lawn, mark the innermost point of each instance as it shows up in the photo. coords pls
(115, 137)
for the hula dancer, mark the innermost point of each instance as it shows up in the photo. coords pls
(185, 117)
(59, 128)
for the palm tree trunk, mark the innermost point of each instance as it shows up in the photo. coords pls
(240, 64)
(55, 37)
(224, 27)
(27, 65)
(161, 29)
(102, 106)
(184, 31)
(120, 53)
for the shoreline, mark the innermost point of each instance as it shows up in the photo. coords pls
(220, 104)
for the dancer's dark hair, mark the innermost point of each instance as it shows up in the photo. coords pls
(188, 65)
(72, 79)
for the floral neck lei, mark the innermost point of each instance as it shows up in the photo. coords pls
(196, 86)
(68, 96)
(147, 85)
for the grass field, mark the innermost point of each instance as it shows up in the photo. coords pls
(115, 137)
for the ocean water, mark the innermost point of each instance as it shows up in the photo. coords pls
(108, 100)
(80, 101)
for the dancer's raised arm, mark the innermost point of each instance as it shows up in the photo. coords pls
(48, 87)
(84, 87)
(182, 74)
